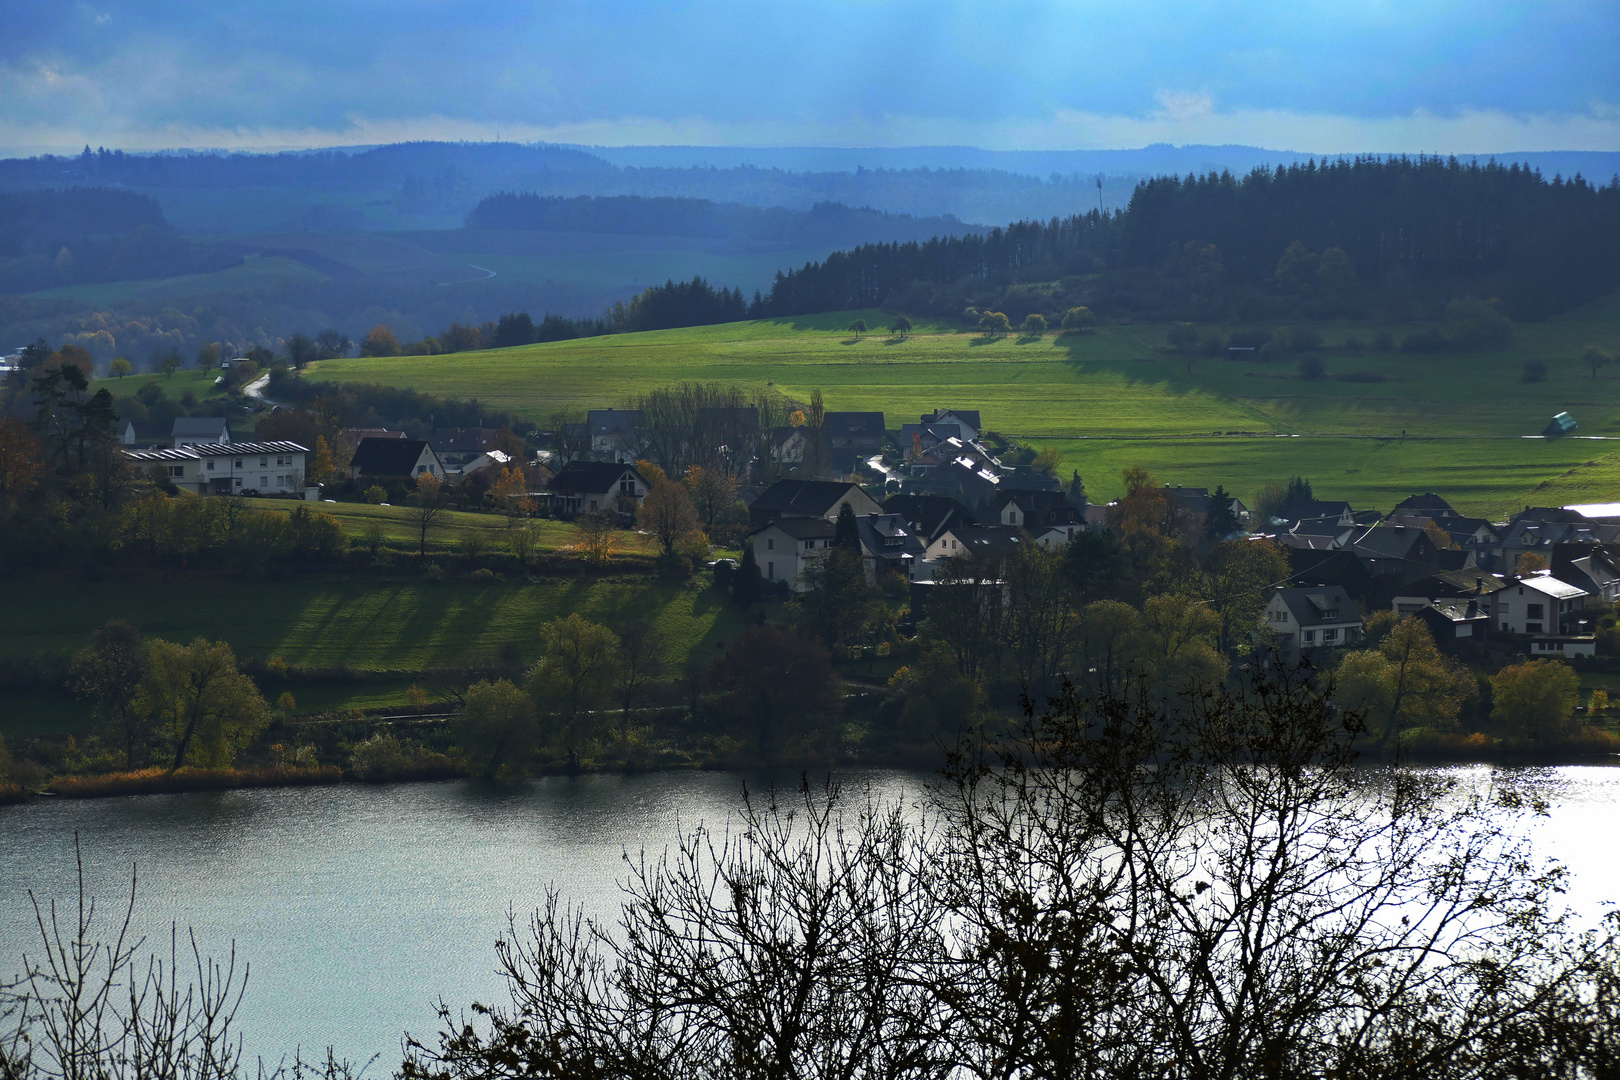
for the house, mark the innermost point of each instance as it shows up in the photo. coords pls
(862, 431)
(268, 468)
(615, 433)
(967, 420)
(810, 498)
(196, 430)
(929, 515)
(1031, 510)
(352, 436)
(1302, 619)
(1588, 567)
(984, 542)
(1195, 504)
(582, 486)
(784, 547)
(789, 445)
(1541, 529)
(1427, 505)
(1456, 623)
(1539, 604)
(144, 436)
(1477, 585)
(1317, 512)
(490, 459)
(376, 459)
(961, 477)
(458, 446)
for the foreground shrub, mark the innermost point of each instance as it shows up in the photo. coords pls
(165, 781)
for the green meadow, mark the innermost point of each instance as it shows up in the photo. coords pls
(1453, 422)
(451, 530)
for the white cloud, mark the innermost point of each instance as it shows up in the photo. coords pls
(1183, 107)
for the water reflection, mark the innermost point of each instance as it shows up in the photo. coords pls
(359, 907)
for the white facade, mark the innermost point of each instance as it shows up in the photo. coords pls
(1311, 618)
(273, 468)
(785, 548)
(1537, 605)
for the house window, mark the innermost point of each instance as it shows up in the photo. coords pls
(1504, 611)
(210, 464)
(177, 470)
(593, 504)
(627, 487)
(808, 544)
(1330, 635)
(420, 469)
(263, 462)
(770, 544)
(238, 481)
(264, 482)
(238, 463)
(770, 569)
(1535, 611)
(1310, 637)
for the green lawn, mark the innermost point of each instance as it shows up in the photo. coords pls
(1114, 398)
(369, 624)
(452, 527)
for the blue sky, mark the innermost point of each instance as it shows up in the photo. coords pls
(1421, 75)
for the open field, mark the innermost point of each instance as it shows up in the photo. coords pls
(366, 624)
(256, 274)
(1114, 398)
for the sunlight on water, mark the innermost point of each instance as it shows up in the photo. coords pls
(359, 907)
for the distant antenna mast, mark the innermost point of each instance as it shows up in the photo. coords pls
(1100, 211)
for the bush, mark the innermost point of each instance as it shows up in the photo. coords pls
(375, 495)
(1534, 371)
(1312, 368)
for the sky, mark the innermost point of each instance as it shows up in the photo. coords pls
(1432, 76)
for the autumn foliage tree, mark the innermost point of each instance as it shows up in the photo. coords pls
(208, 707)
(772, 686)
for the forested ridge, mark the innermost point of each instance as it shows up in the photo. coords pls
(1422, 230)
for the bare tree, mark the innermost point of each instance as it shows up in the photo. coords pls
(427, 507)
(790, 947)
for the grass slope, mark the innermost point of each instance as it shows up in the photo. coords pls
(451, 527)
(1112, 398)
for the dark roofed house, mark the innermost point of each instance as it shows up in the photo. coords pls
(968, 419)
(929, 515)
(1032, 511)
(1315, 617)
(854, 431)
(582, 486)
(1316, 512)
(457, 446)
(392, 458)
(615, 432)
(809, 498)
(1457, 623)
(1588, 567)
(1426, 505)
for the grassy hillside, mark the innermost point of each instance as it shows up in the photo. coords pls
(452, 528)
(1114, 398)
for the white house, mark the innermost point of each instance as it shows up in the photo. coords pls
(1311, 618)
(583, 486)
(788, 546)
(269, 468)
(1538, 604)
(382, 458)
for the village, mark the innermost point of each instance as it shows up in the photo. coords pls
(933, 493)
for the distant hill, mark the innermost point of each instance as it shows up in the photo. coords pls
(829, 223)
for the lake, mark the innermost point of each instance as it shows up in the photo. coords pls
(359, 907)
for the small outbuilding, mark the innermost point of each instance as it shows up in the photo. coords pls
(1562, 424)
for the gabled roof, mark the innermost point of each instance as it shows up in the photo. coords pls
(1389, 542)
(801, 498)
(1046, 507)
(929, 515)
(967, 416)
(390, 457)
(1455, 583)
(865, 424)
(1459, 609)
(464, 440)
(1427, 504)
(1319, 605)
(591, 477)
(985, 540)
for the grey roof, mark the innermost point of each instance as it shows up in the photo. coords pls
(967, 416)
(986, 539)
(861, 424)
(1551, 586)
(389, 457)
(888, 537)
(1389, 542)
(613, 421)
(1460, 609)
(1320, 605)
(464, 440)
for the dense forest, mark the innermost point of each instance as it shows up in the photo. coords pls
(1398, 236)
(629, 214)
(59, 237)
